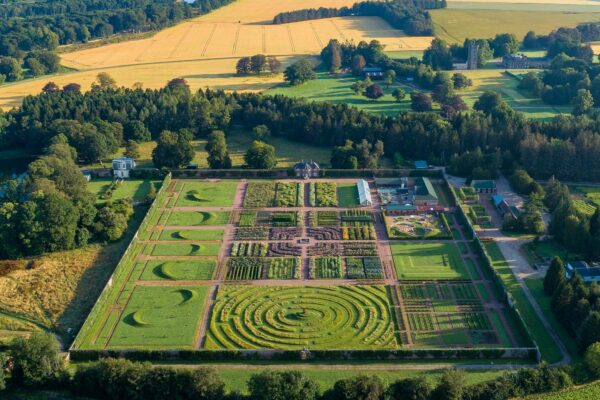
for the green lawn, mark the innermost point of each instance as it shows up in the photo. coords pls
(498, 81)
(347, 195)
(550, 352)
(160, 317)
(337, 89)
(179, 270)
(213, 234)
(536, 287)
(135, 189)
(591, 192)
(207, 194)
(198, 218)
(181, 249)
(416, 261)
(405, 54)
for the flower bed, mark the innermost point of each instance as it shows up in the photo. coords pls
(246, 249)
(245, 269)
(248, 218)
(356, 217)
(325, 249)
(365, 232)
(256, 233)
(323, 194)
(284, 233)
(283, 268)
(289, 194)
(285, 219)
(259, 194)
(283, 249)
(325, 268)
(323, 218)
(360, 249)
(330, 233)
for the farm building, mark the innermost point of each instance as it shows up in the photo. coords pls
(307, 169)
(484, 186)
(504, 208)
(364, 193)
(588, 272)
(373, 72)
(122, 167)
(406, 191)
(520, 61)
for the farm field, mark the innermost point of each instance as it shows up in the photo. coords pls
(337, 89)
(457, 24)
(287, 265)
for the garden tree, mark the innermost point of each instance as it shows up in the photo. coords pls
(218, 155)
(359, 86)
(555, 276)
(361, 387)
(179, 84)
(399, 94)
(389, 77)
(488, 102)
(452, 106)
(111, 220)
(555, 193)
(261, 132)
(35, 67)
(373, 92)
(258, 63)
(50, 87)
(122, 379)
(104, 81)
(331, 55)
(505, 43)
(530, 41)
(438, 55)
(36, 360)
(461, 81)
(274, 64)
(420, 102)
(282, 385)
(530, 220)
(72, 88)
(443, 92)
(132, 149)
(136, 130)
(151, 195)
(11, 69)
(410, 388)
(591, 358)
(260, 155)
(357, 64)
(561, 302)
(451, 386)
(344, 157)
(532, 83)
(590, 331)
(524, 184)
(583, 102)
(3, 368)
(299, 72)
(244, 66)
(93, 143)
(368, 155)
(173, 149)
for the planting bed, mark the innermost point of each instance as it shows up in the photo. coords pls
(427, 226)
(275, 283)
(325, 317)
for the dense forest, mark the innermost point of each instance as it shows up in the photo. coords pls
(28, 28)
(411, 16)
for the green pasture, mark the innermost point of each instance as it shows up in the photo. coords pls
(179, 270)
(587, 392)
(499, 81)
(405, 54)
(337, 89)
(347, 195)
(198, 218)
(135, 189)
(183, 249)
(416, 261)
(160, 317)
(322, 317)
(550, 352)
(591, 192)
(207, 194)
(455, 25)
(200, 234)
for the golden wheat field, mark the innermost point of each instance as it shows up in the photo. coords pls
(205, 50)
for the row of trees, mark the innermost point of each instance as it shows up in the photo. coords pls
(567, 147)
(52, 210)
(257, 65)
(409, 15)
(34, 362)
(575, 304)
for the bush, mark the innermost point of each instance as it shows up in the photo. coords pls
(37, 361)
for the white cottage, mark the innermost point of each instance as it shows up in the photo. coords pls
(122, 166)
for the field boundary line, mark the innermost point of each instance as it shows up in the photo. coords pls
(312, 26)
(264, 39)
(180, 41)
(235, 41)
(337, 28)
(289, 31)
(208, 40)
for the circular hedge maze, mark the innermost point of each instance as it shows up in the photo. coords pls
(326, 317)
